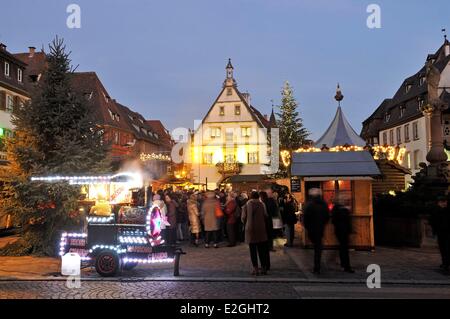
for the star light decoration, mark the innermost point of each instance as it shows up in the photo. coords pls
(154, 157)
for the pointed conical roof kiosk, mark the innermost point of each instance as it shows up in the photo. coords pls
(338, 165)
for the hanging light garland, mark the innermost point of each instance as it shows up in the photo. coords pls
(154, 157)
(286, 158)
(391, 153)
(340, 148)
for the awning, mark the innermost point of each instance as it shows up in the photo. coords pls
(334, 164)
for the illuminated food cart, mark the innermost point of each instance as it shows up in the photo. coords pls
(118, 235)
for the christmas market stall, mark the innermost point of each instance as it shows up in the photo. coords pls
(338, 164)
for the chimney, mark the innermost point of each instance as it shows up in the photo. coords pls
(31, 51)
(2, 46)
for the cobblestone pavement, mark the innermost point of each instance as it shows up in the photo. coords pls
(397, 264)
(228, 264)
(145, 290)
(209, 290)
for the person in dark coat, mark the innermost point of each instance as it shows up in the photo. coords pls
(289, 218)
(316, 216)
(172, 219)
(230, 212)
(440, 223)
(272, 211)
(340, 216)
(254, 217)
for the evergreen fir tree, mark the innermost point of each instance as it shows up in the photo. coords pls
(292, 132)
(55, 134)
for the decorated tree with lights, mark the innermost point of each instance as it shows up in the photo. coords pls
(293, 134)
(55, 134)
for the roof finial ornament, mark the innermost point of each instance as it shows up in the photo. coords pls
(444, 31)
(339, 97)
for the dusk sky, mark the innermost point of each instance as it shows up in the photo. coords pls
(166, 59)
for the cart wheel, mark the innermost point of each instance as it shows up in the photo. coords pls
(129, 266)
(107, 264)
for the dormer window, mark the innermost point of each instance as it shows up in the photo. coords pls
(111, 114)
(222, 110)
(402, 110)
(408, 88)
(422, 80)
(6, 69)
(106, 97)
(229, 91)
(421, 103)
(387, 117)
(19, 75)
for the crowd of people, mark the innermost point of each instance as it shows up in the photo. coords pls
(235, 217)
(257, 218)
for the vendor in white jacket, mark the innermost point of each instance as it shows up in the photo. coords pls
(163, 208)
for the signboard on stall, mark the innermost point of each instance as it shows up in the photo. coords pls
(296, 185)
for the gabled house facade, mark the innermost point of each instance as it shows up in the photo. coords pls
(399, 121)
(232, 138)
(127, 133)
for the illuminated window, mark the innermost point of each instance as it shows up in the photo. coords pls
(207, 158)
(407, 133)
(230, 158)
(408, 160)
(9, 103)
(246, 131)
(237, 110)
(344, 188)
(399, 135)
(222, 111)
(416, 159)
(215, 132)
(229, 136)
(252, 158)
(415, 130)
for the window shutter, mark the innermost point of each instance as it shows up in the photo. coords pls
(2, 100)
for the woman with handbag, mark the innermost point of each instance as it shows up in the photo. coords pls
(211, 213)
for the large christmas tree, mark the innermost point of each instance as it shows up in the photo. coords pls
(55, 134)
(292, 132)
